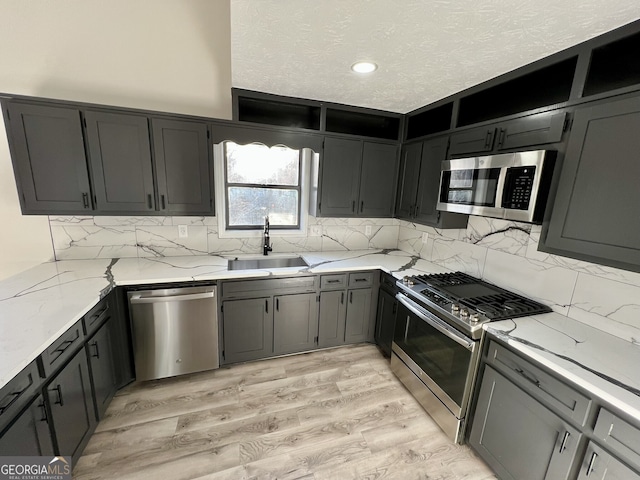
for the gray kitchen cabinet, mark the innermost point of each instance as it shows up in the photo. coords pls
(538, 129)
(358, 178)
(120, 158)
(419, 184)
(358, 319)
(598, 464)
(333, 315)
(517, 436)
(100, 353)
(49, 160)
(29, 433)
(247, 329)
(386, 319)
(181, 156)
(73, 416)
(340, 162)
(377, 180)
(295, 323)
(595, 213)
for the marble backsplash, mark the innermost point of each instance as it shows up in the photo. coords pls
(501, 252)
(506, 254)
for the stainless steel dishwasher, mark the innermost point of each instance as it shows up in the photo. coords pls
(175, 331)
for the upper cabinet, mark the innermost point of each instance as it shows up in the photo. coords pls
(595, 216)
(120, 156)
(357, 178)
(48, 158)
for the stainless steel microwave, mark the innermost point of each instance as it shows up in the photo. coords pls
(512, 186)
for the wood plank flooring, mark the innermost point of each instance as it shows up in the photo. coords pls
(332, 414)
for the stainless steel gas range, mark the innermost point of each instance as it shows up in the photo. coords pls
(435, 350)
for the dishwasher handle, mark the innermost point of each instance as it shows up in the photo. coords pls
(171, 298)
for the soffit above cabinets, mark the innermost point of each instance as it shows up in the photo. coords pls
(425, 50)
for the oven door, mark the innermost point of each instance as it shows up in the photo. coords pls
(441, 356)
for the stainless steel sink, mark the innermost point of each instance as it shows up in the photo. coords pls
(266, 262)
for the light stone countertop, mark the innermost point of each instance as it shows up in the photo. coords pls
(40, 304)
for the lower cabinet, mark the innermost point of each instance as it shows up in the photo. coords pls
(356, 327)
(386, 319)
(72, 411)
(29, 434)
(295, 323)
(600, 465)
(100, 351)
(517, 436)
(248, 329)
(333, 315)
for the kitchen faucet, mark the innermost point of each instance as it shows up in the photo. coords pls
(265, 244)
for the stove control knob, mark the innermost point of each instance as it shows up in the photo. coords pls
(455, 308)
(464, 313)
(407, 281)
(474, 318)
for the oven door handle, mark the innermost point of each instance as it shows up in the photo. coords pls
(436, 323)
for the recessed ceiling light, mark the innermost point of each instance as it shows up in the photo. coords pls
(364, 67)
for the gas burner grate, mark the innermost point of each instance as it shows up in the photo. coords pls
(448, 279)
(505, 305)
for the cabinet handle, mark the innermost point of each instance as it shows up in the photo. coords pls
(395, 308)
(487, 139)
(266, 305)
(342, 298)
(350, 297)
(361, 280)
(333, 281)
(277, 304)
(501, 137)
(162, 202)
(563, 445)
(531, 379)
(416, 210)
(44, 413)
(85, 199)
(60, 401)
(64, 345)
(592, 462)
(149, 201)
(95, 345)
(353, 206)
(361, 206)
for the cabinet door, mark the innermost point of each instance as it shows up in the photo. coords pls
(72, 411)
(531, 130)
(247, 329)
(120, 156)
(49, 159)
(103, 379)
(333, 312)
(386, 319)
(379, 169)
(600, 465)
(358, 316)
(517, 436)
(433, 153)
(340, 177)
(29, 434)
(295, 323)
(595, 214)
(181, 155)
(408, 181)
(477, 140)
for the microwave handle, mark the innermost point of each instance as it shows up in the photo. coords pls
(500, 187)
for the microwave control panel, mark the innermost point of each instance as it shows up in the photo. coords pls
(518, 185)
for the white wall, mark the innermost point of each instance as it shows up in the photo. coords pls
(167, 55)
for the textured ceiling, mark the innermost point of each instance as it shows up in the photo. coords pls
(426, 50)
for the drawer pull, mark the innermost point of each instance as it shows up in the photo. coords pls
(531, 379)
(333, 281)
(563, 445)
(64, 345)
(361, 279)
(592, 462)
(99, 314)
(58, 390)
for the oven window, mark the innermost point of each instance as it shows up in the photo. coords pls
(470, 187)
(442, 359)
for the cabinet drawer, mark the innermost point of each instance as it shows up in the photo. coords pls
(358, 280)
(556, 394)
(62, 349)
(388, 282)
(621, 436)
(15, 394)
(330, 282)
(96, 316)
(269, 286)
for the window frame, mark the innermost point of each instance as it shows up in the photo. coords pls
(227, 184)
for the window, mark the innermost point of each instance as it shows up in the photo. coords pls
(260, 181)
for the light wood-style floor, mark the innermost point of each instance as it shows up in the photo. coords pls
(331, 414)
